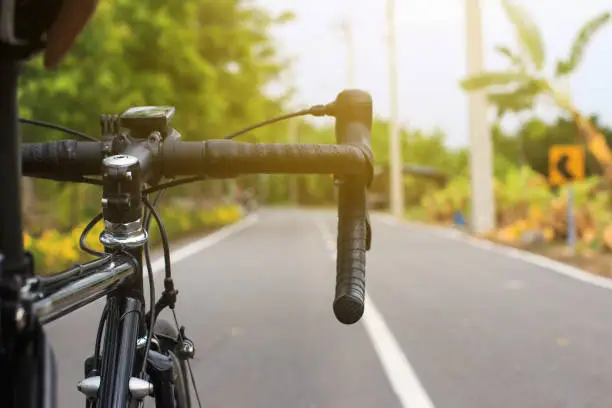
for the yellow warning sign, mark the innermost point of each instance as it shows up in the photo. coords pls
(566, 163)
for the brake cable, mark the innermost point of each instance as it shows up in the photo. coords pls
(59, 128)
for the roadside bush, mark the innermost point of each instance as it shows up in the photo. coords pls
(54, 251)
(525, 204)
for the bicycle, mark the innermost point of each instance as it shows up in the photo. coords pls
(140, 154)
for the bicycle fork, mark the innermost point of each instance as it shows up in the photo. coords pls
(113, 381)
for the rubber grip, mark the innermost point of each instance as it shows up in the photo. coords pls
(349, 301)
(63, 158)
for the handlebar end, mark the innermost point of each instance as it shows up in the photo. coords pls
(353, 111)
(348, 309)
(353, 105)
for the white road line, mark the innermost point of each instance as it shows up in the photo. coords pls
(328, 239)
(529, 257)
(389, 221)
(400, 373)
(205, 242)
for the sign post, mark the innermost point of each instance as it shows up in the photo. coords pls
(566, 164)
(571, 223)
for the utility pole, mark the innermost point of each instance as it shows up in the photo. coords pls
(293, 178)
(346, 26)
(347, 29)
(395, 153)
(292, 138)
(481, 157)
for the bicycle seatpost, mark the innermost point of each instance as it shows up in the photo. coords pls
(353, 112)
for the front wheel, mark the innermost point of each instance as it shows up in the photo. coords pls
(181, 373)
(181, 382)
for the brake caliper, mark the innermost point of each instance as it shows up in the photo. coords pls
(185, 349)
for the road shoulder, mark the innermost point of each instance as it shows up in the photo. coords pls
(573, 268)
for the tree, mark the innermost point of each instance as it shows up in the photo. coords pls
(538, 137)
(519, 87)
(507, 152)
(210, 59)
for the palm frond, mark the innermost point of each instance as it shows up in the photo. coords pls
(488, 79)
(585, 35)
(515, 60)
(527, 31)
(520, 99)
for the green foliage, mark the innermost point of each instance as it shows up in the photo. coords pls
(515, 60)
(440, 205)
(524, 80)
(488, 79)
(55, 250)
(210, 59)
(538, 137)
(429, 148)
(419, 148)
(518, 100)
(532, 142)
(585, 35)
(528, 147)
(527, 32)
(516, 189)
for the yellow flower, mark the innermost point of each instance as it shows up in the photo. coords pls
(184, 222)
(535, 213)
(68, 251)
(229, 214)
(76, 233)
(93, 238)
(207, 217)
(508, 234)
(549, 234)
(27, 241)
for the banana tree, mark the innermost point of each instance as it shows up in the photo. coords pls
(524, 83)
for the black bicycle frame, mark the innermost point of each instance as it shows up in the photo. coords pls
(28, 373)
(11, 238)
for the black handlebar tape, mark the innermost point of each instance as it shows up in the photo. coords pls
(64, 158)
(351, 251)
(353, 111)
(183, 158)
(227, 158)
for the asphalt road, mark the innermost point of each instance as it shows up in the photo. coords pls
(447, 324)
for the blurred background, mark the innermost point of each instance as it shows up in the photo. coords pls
(227, 64)
(471, 98)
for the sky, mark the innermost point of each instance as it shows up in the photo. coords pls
(430, 36)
